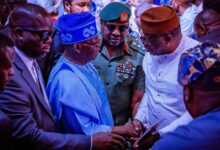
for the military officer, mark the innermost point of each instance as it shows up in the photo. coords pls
(119, 62)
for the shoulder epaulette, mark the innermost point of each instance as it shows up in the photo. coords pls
(136, 45)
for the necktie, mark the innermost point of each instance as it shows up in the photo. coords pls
(40, 82)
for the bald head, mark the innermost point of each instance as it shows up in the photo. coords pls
(30, 29)
(29, 15)
(206, 21)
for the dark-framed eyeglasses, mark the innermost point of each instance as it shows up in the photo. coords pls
(149, 38)
(121, 28)
(43, 35)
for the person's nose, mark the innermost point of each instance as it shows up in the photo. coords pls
(48, 40)
(116, 31)
(86, 8)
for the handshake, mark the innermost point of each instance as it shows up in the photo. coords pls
(130, 136)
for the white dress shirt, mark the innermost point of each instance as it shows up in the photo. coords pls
(163, 98)
(187, 20)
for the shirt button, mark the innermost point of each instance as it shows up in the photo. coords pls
(109, 65)
(107, 83)
(158, 94)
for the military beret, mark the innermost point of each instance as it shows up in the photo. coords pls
(76, 27)
(115, 11)
(159, 20)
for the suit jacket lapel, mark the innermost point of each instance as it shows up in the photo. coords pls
(30, 81)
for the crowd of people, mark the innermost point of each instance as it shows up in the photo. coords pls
(97, 78)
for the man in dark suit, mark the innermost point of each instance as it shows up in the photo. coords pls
(24, 98)
(6, 71)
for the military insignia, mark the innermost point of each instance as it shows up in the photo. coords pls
(126, 47)
(125, 71)
(124, 17)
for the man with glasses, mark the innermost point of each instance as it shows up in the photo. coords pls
(199, 73)
(164, 43)
(76, 92)
(24, 99)
(119, 62)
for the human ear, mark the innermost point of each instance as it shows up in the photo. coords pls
(18, 32)
(202, 30)
(168, 38)
(102, 23)
(187, 96)
(77, 47)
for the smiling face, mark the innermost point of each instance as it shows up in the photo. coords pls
(114, 33)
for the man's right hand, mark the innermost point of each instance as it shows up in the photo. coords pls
(107, 141)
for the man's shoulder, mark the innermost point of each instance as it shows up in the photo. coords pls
(210, 118)
(135, 45)
(190, 42)
(181, 137)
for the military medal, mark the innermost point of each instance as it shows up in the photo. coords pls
(126, 70)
